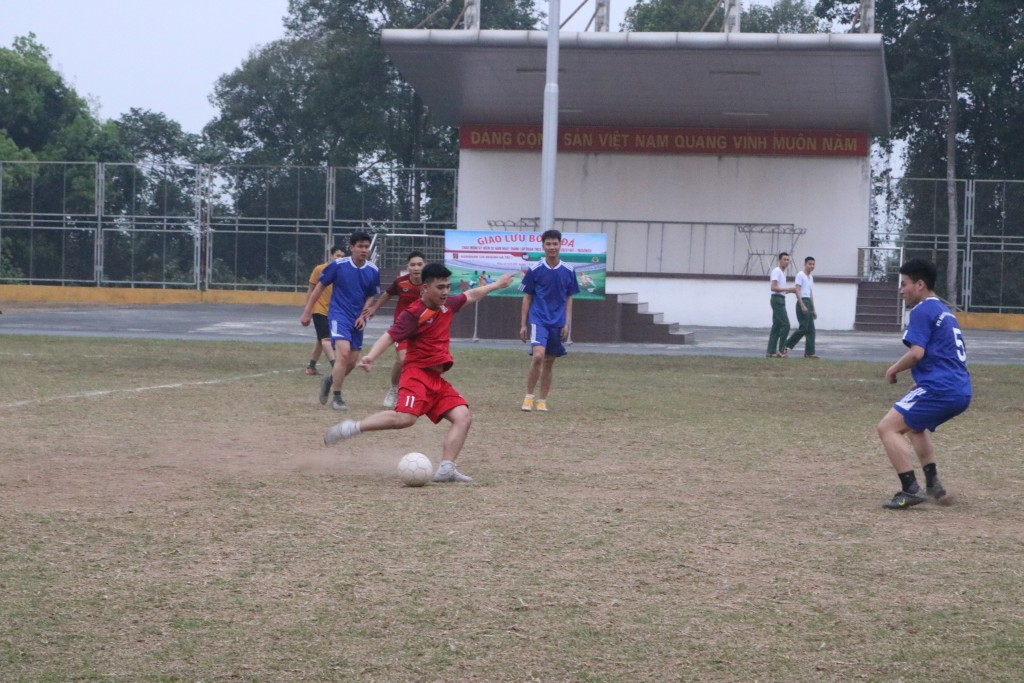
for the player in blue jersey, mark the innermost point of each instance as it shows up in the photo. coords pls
(355, 281)
(937, 359)
(548, 288)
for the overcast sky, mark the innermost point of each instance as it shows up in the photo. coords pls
(165, 55)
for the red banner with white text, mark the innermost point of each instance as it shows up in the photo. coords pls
(600, 139)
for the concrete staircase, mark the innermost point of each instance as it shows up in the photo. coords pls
(640, 325)
(878, 307)
(616, 319)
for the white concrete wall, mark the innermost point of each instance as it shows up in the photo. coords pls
(734, 303)
(828, 197)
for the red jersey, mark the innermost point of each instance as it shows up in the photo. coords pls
(428, 333)
(406, 291)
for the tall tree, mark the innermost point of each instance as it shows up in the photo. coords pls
(956, 70)
(783, 16)
(326, 95)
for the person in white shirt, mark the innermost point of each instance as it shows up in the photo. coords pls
(805, 311)
(780, 319)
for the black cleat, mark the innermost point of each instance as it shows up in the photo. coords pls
(325, 388)
(904, 500)
(936, 491)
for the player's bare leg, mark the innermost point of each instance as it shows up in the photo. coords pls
(346, 359)
(391, 400)
(546, 375)
(454, 440)
(328, 349)
(533, 375)
(386, 419)
(314, 356)
(891, 432)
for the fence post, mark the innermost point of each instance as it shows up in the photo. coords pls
(101, 193)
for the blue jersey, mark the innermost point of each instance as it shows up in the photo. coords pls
(943, 369)
(550, 289)
(352, 286)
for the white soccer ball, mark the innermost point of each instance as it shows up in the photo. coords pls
(415, 469)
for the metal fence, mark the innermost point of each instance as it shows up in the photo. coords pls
(247, 227)
(201, 226)
(913, 213)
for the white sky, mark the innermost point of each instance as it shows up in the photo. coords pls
(166, 55)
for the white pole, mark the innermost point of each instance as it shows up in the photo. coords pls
(549, 146)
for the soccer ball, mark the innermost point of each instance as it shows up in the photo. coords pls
(415, 469)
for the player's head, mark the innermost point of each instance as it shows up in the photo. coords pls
(359, 246)
(783, 259)
(437, 283)
(552, 242)
(809, 264)
(337, 251)
(917, 280)
(414, 263)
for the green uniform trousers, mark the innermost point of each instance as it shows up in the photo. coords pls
(780, 325)
(806, 329)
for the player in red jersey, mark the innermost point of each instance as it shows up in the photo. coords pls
(422, 388)
(407, 287)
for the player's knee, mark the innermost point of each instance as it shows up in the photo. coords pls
(402, 420)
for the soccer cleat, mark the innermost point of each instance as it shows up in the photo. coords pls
(341, 431)
(325, 388)
(783, 354)
(540, 405)
(311, 370)
(936, 490)
(904, 500)
(339, 404)
(447, 472)
(391, 400)
(527, 404)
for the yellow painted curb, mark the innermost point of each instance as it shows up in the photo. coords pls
(991, 321)
(119, 295)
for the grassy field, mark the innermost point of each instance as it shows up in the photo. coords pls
(169, 513)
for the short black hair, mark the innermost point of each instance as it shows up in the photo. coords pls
(413, 254)
(551, 235)
(917, 269)
(360, 236)
(809, 258)
(337, 247)
(783, 253)
(434, 271)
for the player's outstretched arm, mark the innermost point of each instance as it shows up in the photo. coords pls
(307, 312)
(379, 347)
(478, 293)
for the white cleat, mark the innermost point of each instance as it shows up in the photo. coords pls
(341, 431)
(447, 472)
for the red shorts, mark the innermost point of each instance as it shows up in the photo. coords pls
(423, 392)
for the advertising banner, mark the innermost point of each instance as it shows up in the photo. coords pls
(479, 257)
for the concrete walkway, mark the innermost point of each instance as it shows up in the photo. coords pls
(216, 322)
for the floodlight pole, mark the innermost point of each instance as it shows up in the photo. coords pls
(549, 146)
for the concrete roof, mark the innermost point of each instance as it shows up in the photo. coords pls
(681, 80)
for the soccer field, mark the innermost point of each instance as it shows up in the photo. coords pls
(169, 513)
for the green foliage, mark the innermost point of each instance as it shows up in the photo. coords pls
(785, 16)
(671, 15)
(325, 94)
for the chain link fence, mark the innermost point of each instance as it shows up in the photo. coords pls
(202, 226)
(988, 239)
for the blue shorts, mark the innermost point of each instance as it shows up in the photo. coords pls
(343, 328)
(922, 410)
(548, 336)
